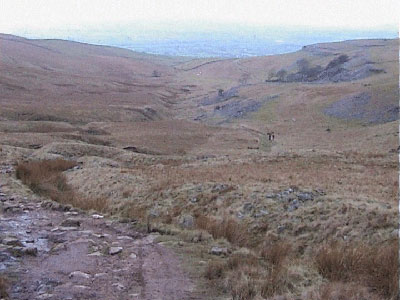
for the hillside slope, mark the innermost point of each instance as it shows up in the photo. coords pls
(180, 147)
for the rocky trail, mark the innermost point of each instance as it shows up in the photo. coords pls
(52, 251)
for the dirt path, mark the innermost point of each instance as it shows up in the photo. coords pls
(49, 251)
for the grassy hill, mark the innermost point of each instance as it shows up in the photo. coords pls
(169, 139)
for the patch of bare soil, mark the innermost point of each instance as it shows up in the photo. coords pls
(52, 251)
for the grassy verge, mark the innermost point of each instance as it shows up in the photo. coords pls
(46, 178)
(351, 272)
(271, 268)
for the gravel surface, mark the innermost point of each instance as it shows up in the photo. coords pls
(51, 251)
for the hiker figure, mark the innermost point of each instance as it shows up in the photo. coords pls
(272, 136)
(269, 136)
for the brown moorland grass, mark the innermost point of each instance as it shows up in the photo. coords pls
(356, 174)
(3, 287)
(276, 253)
(354, 272)
(246, 275)
(373, 266)
(334, 291)
(227, 228)
(46, 179)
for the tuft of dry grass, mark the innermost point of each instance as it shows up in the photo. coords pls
(337, 291)
(43, 177)
(46, 178)
(246, 275)
(372, 266)
(334, 291)
(214, 270)
(227, 228)
(276, 253)
(3, 287)
(242, 286)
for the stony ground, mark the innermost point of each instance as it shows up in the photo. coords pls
(51, 251)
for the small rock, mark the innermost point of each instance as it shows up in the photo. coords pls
(248, 207)
(134, 295)
(80, 287)
(79, 274)
(219, 251)
(71, 213)
(16, 251)
(70, 223)
(320, 191)
(270, 195)
(193, 200)
(58, 247)
(293, 205)
(305, 196)
(95, 216)
(186, 221)
(57, 207)
(124, 237)
(99, 275)
(115, 250)
(219, 188)
(240, 215)
(118, 286)
(57, 238)
(12, 241)
(68, 228)
(45, 296)
(97, 253)
(32, 251)
(281, 228)
(154, 213)
(133, 256)
(261, 213)
(395, 233)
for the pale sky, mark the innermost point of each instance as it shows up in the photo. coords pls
(19, 15)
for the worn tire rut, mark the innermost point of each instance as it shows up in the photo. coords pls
(52, 251)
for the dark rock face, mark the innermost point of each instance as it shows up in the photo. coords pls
(238, 109)
(356, 107)
(337, 70)
(221, 96)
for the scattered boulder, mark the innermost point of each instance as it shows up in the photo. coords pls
(115, 250)
(79, 274)
(154, 213)
(281, 229)
(12, 241)
(219, 251)
(96, 216)
(261, 213)
(219, 188)
(248, 207)
(186, 221)
(305, 196)
(293, 205)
